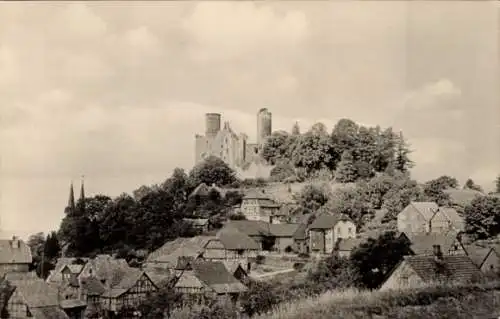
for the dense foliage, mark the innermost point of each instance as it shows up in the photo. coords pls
(353, 151)
(482, 217)
(152, 216)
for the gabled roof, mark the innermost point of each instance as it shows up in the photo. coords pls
(14, 251)
(160, 277)
(256, 194)
(283, 230)
(170, 252)
(462, 197)
(478, 254)
(455, 268)
(451, 214)
(301, 232)
(232, 266)
(427, 209)
(55, 274)
(73, 268)
(422, 243)
(37, 293)
(250, 227)
(104, 266)
(216, 276)
(233, 239)
(92, 286)
(328, 221)
(122, 280)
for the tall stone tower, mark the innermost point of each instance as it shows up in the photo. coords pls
(212, 124)
(264, 125)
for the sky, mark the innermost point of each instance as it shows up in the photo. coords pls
(116, 91)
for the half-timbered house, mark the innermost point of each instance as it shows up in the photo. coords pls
(15, 256)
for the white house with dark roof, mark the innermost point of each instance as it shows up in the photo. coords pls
(426, 217)
(327, 229)
(15, 256)
(414, 271)
(487, 259)
(260, 207)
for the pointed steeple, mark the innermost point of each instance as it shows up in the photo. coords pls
(81, 201)
(71, 200)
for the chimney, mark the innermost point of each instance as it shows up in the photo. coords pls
(15, 242)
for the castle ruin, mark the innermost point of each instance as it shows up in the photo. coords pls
(232, 148)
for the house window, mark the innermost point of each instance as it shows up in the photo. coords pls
(339, 231)
(240, 252)
(404, 279)
(349, 230)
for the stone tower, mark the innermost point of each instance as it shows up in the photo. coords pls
(212, 124)
(264, 125)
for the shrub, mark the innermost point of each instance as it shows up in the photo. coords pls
(288, 249)
(260, 259)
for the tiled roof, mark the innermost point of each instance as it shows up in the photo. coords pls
(427, 209)
(462, 197)
(255, 194)
(170, 252)
(189, 280)
(422, 243)
(200, 190)
(327, 221)
(349, 243)
(14, 252)
(53, 312)
(283, 230)
(232, 266)
(72, 303)
(55, 274)
(122, 280)
(104, 266)
(37, 293)
(216, 276)
(15, 276)
(233, 239)
(478, 254)
(250, 227)
(452, 214)
(455, 268)
(92, 286)
(160, 277)
(301, 232)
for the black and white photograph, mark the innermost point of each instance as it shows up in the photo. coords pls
(291, 159)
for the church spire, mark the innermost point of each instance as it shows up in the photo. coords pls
(71, 200)
(81, 201)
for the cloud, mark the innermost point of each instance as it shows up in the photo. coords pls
(226, 30)
(433, 95)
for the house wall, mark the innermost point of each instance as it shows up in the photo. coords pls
(440, 223)
(317, 240)
(409, 220)
(252, 211)
(5, 268)
(282, 243)
(329, 240)
(344, 229)
(301, 246)
(215, 251)
(16, 306)
(402, 277)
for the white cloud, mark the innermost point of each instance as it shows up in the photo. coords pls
(432, 95)
(224, 30)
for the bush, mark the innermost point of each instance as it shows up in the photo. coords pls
(288, 249)
(260, 259)
(303, 255)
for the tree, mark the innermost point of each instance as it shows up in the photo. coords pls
(312, 197)
(319, 129)
(36, 243)
(497, 185)
(346, 171)
(52, 247)
(402, 161)
(482, 217)
(375, 258)
(469, 184)
(353, 202)
(276, 147)
(333, 272)
(282, 171)
(313, 152)
(434, 189)
(212, 170)
(160, 303)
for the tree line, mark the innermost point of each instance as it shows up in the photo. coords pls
(350, 152)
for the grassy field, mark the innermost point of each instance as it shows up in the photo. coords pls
(455, 302)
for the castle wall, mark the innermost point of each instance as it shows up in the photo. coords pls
(264, 125)
(201, 146)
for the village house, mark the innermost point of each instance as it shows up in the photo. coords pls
(15, 256)
(33, 297)
(300, 238)
(423, 243)
(203, 190)
(486, 259)
(257, 206)
(256, 230)
(168, 256)
(232, 245)
(415, 271)
(209, 279)
(236, 269)
(283, 234)
(61, 273)
(425, 217)
(346, 246)
(326, 229)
